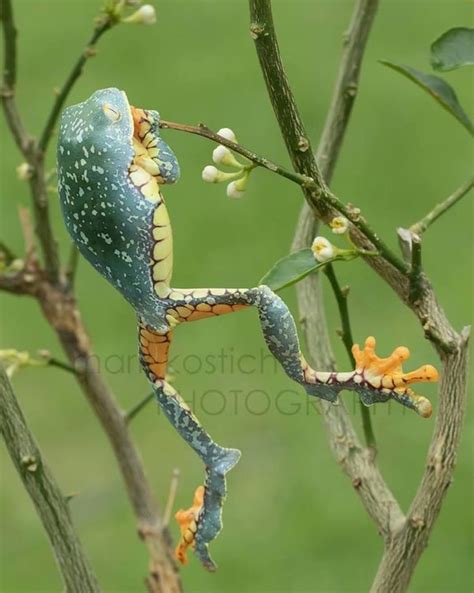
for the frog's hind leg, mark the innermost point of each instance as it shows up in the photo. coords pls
(374, 379)
(202, 522)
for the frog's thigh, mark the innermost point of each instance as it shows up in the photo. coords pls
(200, 303)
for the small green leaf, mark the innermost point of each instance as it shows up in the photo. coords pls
(453, 49)
(291, 269)
(438, 89)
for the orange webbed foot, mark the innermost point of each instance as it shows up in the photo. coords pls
(386, 374)
(188, 521)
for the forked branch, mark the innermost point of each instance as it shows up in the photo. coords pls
(405, 538)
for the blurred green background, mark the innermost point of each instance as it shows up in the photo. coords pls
(292, 520)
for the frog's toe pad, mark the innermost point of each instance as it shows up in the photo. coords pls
(386, 376)
(423, 407)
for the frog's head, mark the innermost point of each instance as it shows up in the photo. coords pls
(107, 125)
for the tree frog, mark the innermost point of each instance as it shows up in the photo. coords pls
(112, 166)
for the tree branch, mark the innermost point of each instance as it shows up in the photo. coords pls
(420, 227)
(405, 538)
(55, 296)
(308, 175)
(49, 502)
(322, 200)
(9, 77)
(26, 145)
(60, 310)
(407, 544)
(356, 461)
(346, 87)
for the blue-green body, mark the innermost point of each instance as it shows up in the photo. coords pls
(104, 212)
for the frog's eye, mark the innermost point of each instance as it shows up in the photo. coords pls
(111, 112)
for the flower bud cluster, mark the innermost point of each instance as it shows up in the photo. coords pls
(221, 155)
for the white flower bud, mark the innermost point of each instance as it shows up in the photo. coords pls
(223, 156)
(339, 225)
(322, 249)
(24, 172)
(228, 134)
(16, 265)
(213, 175)
(210, 174)
(145, 15)
(233, 190)
(237, 188)
(220, 154)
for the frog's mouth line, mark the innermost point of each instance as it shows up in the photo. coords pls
(144, 170)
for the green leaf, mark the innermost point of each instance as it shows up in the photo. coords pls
(453, 49)
(291, 269)
(438, 89)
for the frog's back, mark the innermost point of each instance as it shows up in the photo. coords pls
(104, 212)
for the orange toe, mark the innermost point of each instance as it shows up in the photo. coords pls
(187, 520)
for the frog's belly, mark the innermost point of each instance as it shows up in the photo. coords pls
(162, 252)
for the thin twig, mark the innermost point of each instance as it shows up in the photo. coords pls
(416, 271)
(420, 227)
(171, 497)
(9, 65)
(258, 160)
(137, 408)
(54, 362)
(72, 264)
(347, 339)
(104, 25)
(6, 253)
(49, 501)
(9, 77)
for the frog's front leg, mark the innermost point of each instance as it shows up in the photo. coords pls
(202, 523)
